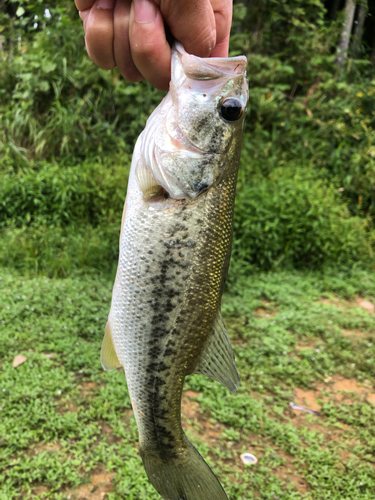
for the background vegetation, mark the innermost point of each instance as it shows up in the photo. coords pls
(306, 193)
(299, 303)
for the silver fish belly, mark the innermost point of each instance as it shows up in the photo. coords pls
(175, 244)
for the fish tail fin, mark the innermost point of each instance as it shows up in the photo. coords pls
(185, 477)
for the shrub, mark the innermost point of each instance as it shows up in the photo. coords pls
(42, 248)
(295, 220)
(91, 192)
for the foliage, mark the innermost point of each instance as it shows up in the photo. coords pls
(55, 102)
(299, 108)
(45, 249)
(90, 192)
(305, 200)
(296, 220)
(306, 195)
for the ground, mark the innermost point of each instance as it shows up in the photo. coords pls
(305, 350)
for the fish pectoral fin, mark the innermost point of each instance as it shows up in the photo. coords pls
(108, 355)
(217, 359)
(146, 181)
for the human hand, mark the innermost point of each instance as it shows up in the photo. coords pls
(130, 34)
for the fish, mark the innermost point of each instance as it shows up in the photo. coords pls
(175, 244)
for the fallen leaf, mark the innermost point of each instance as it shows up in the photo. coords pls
(18, 360)
(49, 355)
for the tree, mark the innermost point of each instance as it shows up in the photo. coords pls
(357, 37)
(342, 51)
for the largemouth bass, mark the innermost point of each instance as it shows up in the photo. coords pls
(165, 321)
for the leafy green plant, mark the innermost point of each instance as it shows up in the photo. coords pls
(55, 102)
(293, 219)
(90, 192)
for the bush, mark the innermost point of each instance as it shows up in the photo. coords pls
(91, 193)
(42, 248)
(55, 102)
(294, 220)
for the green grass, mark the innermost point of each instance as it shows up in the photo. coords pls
(65, 423)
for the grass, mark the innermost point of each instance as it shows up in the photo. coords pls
(67, 429)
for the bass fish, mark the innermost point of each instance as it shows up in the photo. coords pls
(175, 244)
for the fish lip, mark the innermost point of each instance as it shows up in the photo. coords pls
(216, 67)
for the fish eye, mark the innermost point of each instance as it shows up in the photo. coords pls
(231, 109)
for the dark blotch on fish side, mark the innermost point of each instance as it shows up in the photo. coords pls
(157, 369)
(200, 187)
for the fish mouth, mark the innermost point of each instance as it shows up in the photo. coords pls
(210, 68)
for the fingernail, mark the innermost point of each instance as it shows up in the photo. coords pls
(144, 11)
(105, 4)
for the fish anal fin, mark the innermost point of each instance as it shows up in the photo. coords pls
(217, 359)
(108, 355)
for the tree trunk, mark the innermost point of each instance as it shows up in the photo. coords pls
(357, 37)
(342, 51)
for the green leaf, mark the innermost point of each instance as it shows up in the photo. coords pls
(20, 11)
(48, 66)
(44, 85)
(26, 76)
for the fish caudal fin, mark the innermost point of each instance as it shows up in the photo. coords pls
(183, 478)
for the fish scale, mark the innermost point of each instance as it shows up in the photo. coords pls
(175, 246)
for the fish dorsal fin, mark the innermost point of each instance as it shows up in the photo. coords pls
(108, 355)
(217, 359)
